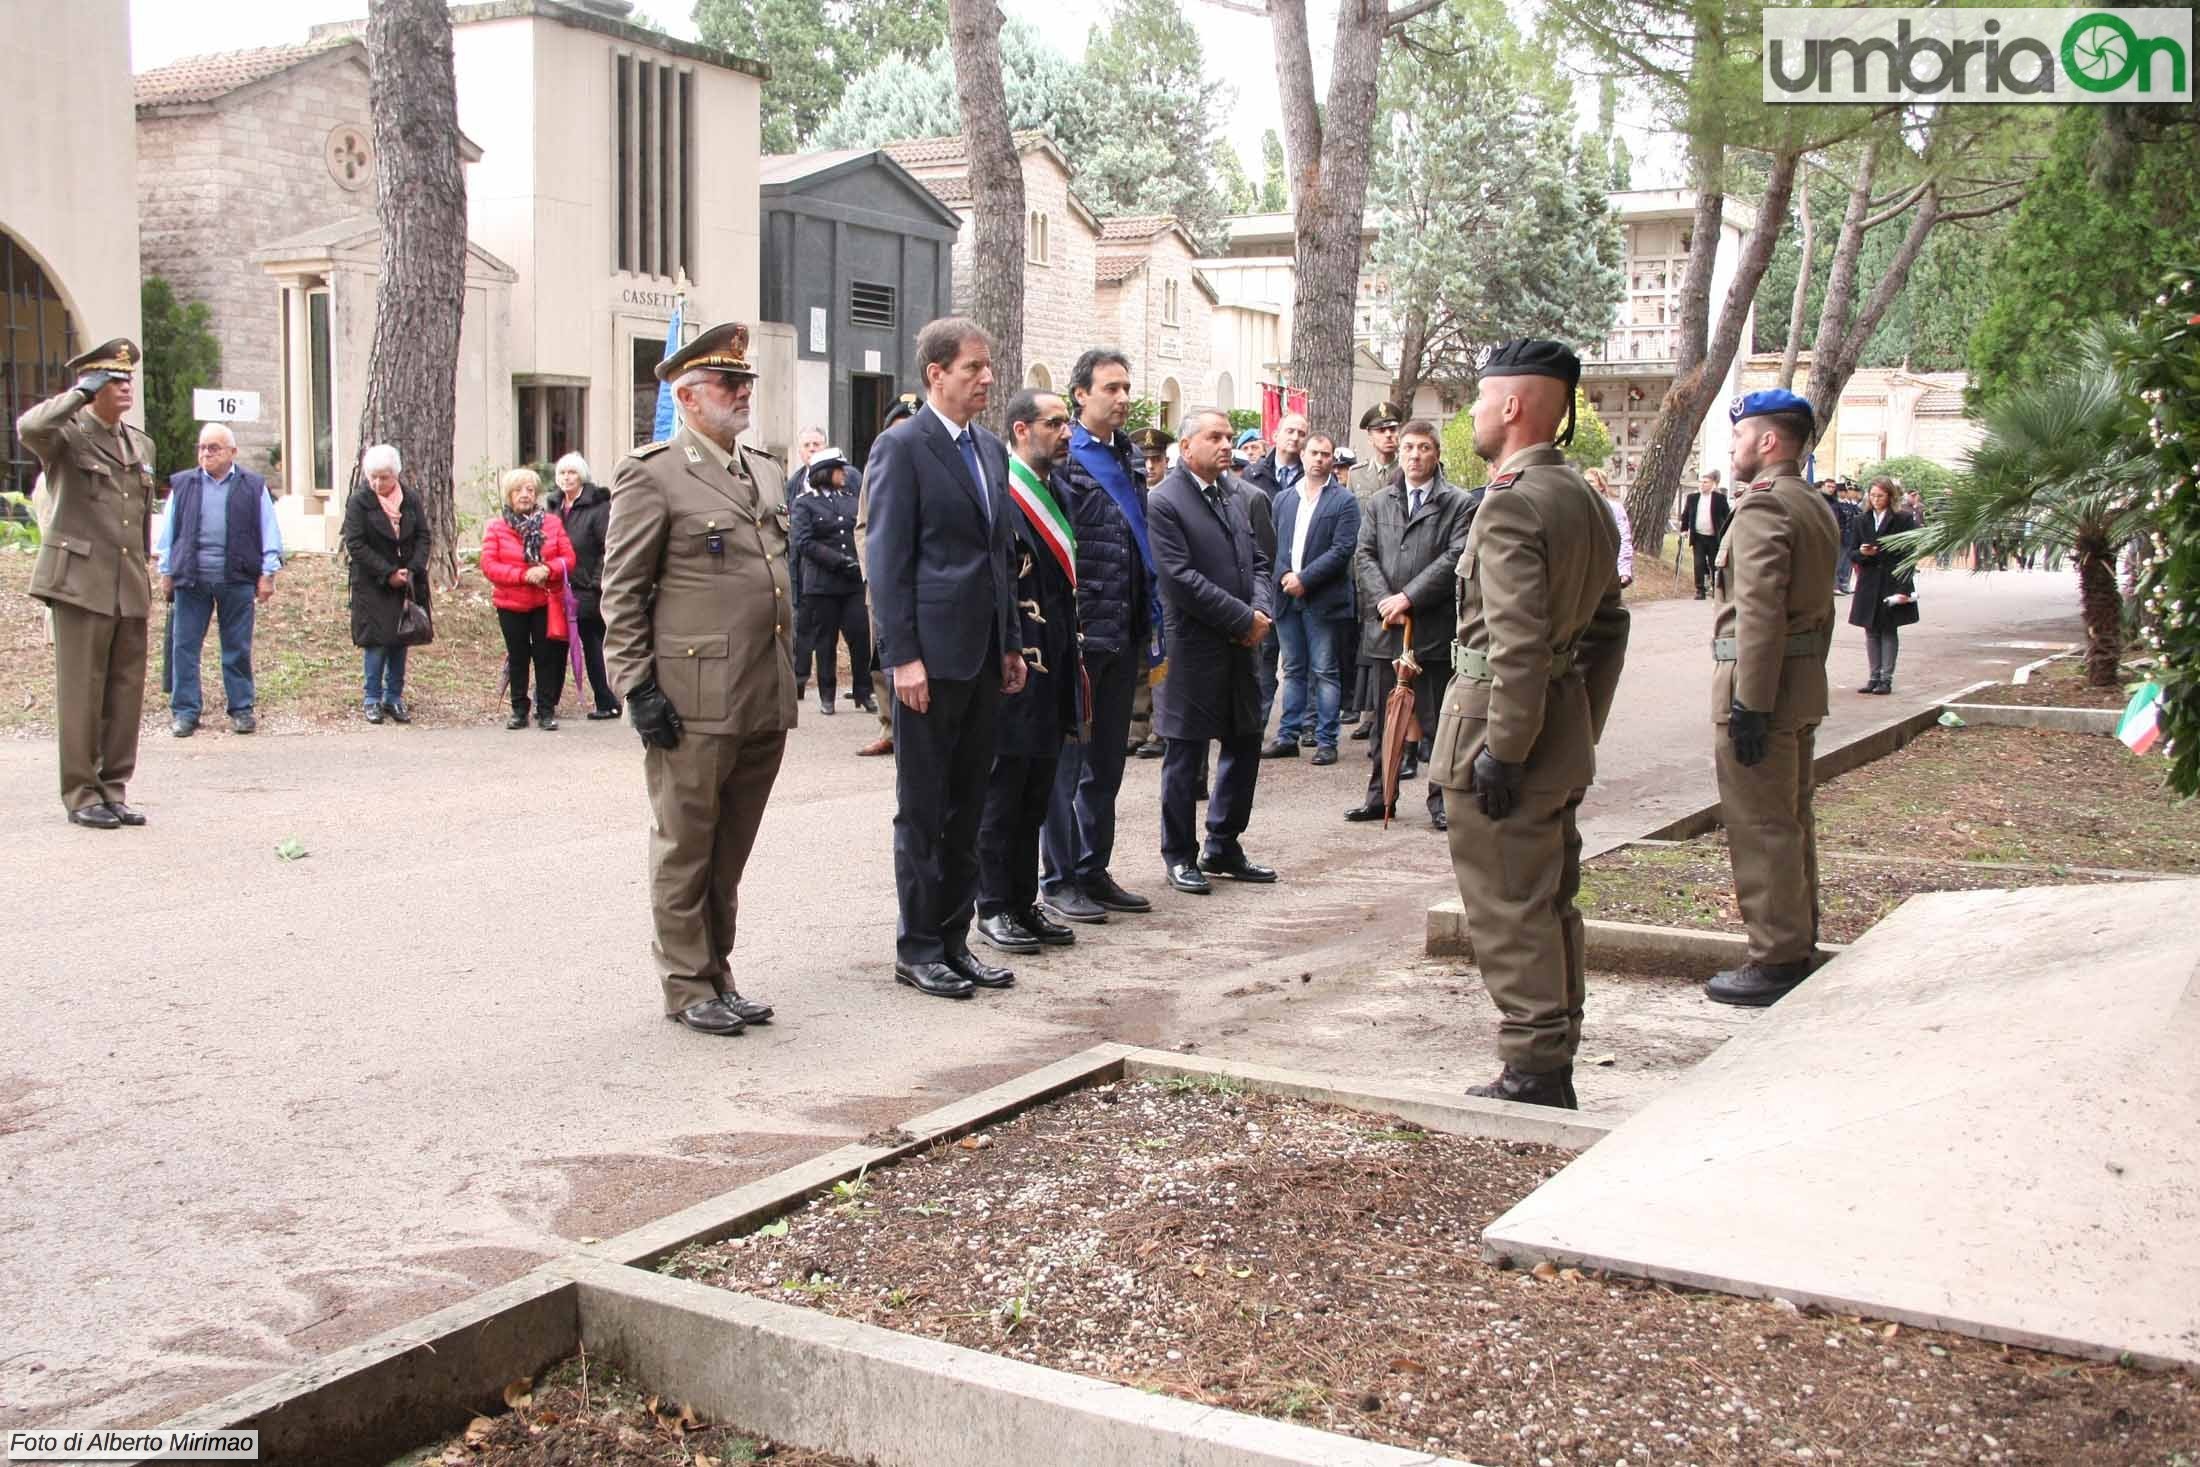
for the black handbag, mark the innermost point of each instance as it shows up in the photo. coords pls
(415, 628)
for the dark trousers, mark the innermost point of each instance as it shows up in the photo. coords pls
(1016, 798)
(1079, 839)
(1844, 570)
(1707, 551)
(1271, 648)
(941, 760)
(527, 644)
(599, 684)
(1229, 806)
(1882, 648)
(1428, 694)
(235, 603)
(841, 615)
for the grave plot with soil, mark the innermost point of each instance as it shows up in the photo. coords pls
(2060, 684)
(585, 1413)
(1954, 810)
(1298, 1261)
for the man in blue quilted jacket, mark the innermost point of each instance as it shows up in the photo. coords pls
(1102, 482)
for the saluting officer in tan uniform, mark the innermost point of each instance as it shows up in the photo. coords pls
(92, 571)
(698, 639)
(1542, 635)
(1772, 626)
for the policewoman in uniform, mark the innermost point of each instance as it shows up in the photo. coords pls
(1772, 625)
(1542, 636)
(825, 516)
(698, 640)
(91, 571)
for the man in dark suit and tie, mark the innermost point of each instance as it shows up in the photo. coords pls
(943, 594)
(1219, 602)
(1703, 520)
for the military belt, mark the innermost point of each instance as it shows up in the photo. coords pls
(1801, 644)
(1474, 665)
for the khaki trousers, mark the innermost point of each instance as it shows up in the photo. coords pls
(706, 799)
(99, 695)
(1142, 692)
(1517, 880)
(1773, 842)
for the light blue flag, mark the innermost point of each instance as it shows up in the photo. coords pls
(663, 429)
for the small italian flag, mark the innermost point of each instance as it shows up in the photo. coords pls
(1037, 502)
(2141, 726)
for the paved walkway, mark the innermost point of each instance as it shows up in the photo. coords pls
(254, 1110)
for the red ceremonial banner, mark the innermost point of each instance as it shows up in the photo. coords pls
(1275, 402)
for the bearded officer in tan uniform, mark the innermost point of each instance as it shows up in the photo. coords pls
(92, 572)
(698, 640)
(1772, 625)
(1542, 635)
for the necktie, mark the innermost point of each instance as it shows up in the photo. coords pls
(1415, 506)
(969, 446)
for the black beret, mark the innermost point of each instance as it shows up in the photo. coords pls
(1533, 357)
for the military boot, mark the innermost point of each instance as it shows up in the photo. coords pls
(1756, 985)
(1554, 1088)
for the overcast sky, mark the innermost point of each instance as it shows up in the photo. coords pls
(1238, 46)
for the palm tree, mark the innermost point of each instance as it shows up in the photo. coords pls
(2062, 467)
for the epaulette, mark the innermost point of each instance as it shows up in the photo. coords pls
(649, 448)
(1504, 481)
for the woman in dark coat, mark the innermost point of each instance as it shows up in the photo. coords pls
(1885, 598)
(824, 525)
(386, 541)
(587, 517)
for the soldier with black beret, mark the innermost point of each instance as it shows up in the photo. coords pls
(92, 573)
(1541, 639)
(699, 643)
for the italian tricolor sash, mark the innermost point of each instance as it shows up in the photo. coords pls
(1037, 502)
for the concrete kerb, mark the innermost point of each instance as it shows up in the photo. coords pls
(836, 1385)
(2056, 720)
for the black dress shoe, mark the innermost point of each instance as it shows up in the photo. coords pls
(244, 722)
(1324, 756)
(937, 979)
(1237, 868)
(1438, 820)
(1104, 890)
(1756, 985)
(597, 715)
(1365, 730)
(1007, 934)
(1187, 878)
(183, 728)
(825, 706)
(398, 712)
(749, 1009)
(97, 817)
(1307, 741)
(1072, 905)
(1152, 749)
(711, 1016)
(125, 814)
(374, 712)
(1367, 812)
(1871, 685)
(546, 721)
(980, 974)
(1886, 686)
(1409, 771)
(1050, 933)
(1281, 749)
(1554, 1088)
(867, 705)
(518, 719)
(1349, 716)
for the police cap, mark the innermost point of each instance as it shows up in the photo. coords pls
(905, 406)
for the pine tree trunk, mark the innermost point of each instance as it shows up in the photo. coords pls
(412, 372)
(1412, 354)
(996, 193)
(1836, 357)
(1327, 150)
(2102, 609)
(1802, 291)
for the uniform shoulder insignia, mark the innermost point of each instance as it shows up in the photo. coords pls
(648, 449)
(1504, 481)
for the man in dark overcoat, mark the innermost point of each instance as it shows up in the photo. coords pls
(1219, 604)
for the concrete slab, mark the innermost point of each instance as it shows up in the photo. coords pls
(1985, 1117)
(2056, 720)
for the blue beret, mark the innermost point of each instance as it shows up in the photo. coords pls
(1250, 435)
(1771, 400)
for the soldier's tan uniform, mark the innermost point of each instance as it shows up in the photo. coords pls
(1772, 627)
(91, 571)
(1371, 478)
(1542, 636)
(695, 595)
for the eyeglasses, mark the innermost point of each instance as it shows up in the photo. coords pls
(216, 448)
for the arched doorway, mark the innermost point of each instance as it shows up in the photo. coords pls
(1172, 404)
(40, 337)
(1225, 392)
(1038, 379)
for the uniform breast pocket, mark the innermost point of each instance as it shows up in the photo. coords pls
(699, 540)
(697, 675)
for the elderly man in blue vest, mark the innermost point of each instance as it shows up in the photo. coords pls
(219, 550)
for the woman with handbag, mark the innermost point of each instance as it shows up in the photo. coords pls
(1885, 598)
(526, 557)
(386, 541)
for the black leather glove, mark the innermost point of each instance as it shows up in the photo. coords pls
(850, 566)
(90, 383)
(1751, 733)
(654, 717)
(1496, 784)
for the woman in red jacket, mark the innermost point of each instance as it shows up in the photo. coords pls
(526, 557)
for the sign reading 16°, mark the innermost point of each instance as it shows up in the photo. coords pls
(224, 405)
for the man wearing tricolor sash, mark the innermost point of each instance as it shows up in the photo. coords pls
(1032, 727)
